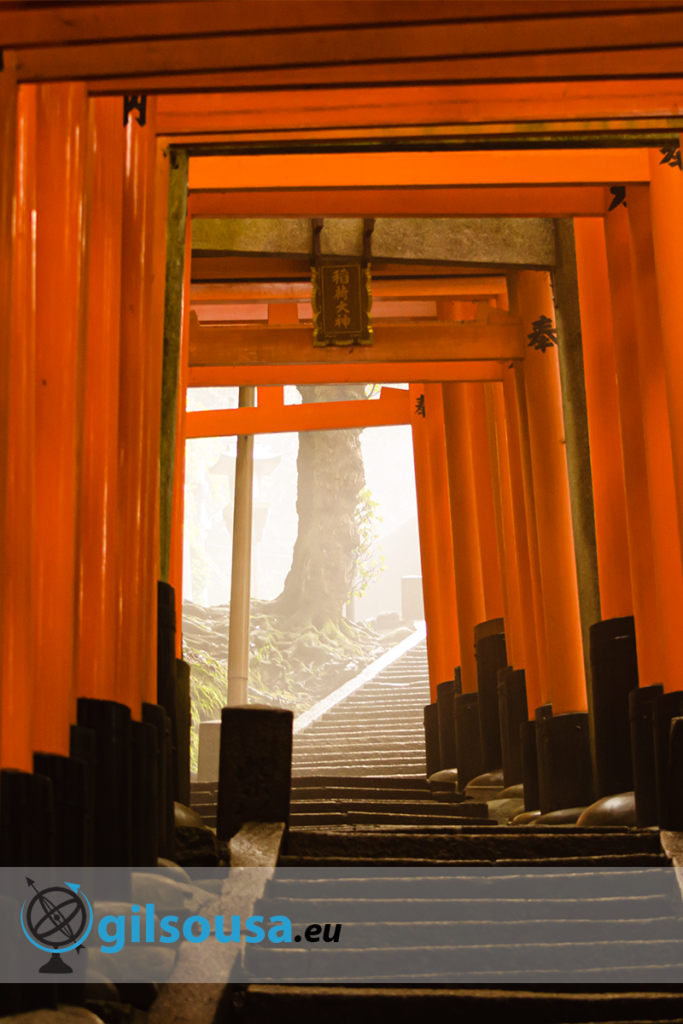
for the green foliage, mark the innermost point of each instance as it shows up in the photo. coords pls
(208, 691)
(368, 563)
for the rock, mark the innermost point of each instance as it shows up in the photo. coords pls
(132, 963)
(503, 810)
(186, 816)
(172, 870)
(396, 636)
(165, 893)
(196, 847)
(99, 988)
(611, 810)
(257, 844)
(112, 1012)
(386, 622)
(445, 779)
(64, 1015)
(526, 818)
(565, 816)
(515, 792)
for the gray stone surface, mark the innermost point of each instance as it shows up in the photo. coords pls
(63, 1015)
(209, 751)
(257, 845)
(256, 767)
(196, 846)
(504, 810)
(502, 241)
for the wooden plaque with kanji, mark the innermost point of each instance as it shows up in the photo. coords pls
(341, 301)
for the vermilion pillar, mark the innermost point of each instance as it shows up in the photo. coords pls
(176, 564)
(98, 540)
(657, 434)
(486, 510)
(136, 676)
(18, 646)
(643, 574)
(465, 528)
(507, 542)
(553, 509)
(602, 400)
(666, 201)
(533, 633)
(61, 327)
(8, 143)
(434, 524)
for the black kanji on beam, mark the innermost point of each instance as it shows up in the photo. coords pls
(672, 156)
(619, 193)
(420, 406)
(543, 335)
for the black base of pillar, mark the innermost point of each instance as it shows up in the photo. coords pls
(675, 816)
(111, 723)
(641, 705)
(83, 746)
(144, 795)
(513, 713)
(154, 714)
(27, 832)
(69, 788)
(667, 706)
(527, 740)
(565, 762)
(467, 739)
(614, 673)
(540, 714)
(489, 648)
(432, 747)
(445, 703)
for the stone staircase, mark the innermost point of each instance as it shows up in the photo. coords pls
(360, 801)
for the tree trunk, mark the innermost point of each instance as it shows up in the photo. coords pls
(330, 478)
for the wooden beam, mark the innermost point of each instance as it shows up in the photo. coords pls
(343, 373)
(498, 337)
(263, 291)
(382, 170)
(219, 267)
(545, 201)
(596, 45)
(440, 110)
(391, 408)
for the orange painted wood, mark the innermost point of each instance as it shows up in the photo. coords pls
(486, 511)
(533, 635)
(391, 408)
(60, 314)
(666, 199)
(438, 588)
(473, 109)
(18, 644)
(598, 46)
(178, 520)
(137, 587)
(638, 515)
(545, 201)
(416, 341)
(602, 401)
(553, 509)
(8, 151)
(79, 23)
(336, 170)
(98, 542)
(464, 528)
(368, 373)
(656, 429)
(300, 291)
(507, 551)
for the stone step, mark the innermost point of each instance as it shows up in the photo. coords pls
(418, 782)
(325, 819)
(402, 807)
(403, 1005)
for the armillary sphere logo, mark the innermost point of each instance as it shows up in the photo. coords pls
(56, 920)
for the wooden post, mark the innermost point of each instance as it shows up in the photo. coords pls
(61, 336)
(98, 540)
(643, 574)
(173, 326)
(138, 428)
(18, 644)
(553, 507)
(436, 554)
(533, 639)
(657, 434)
(570, 355)
(240, 586)
(486, 504)
(177, 526)
(666, 201)
(464, 526)
(602, 403)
